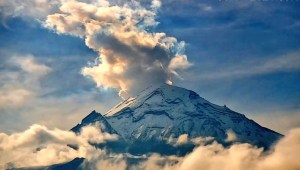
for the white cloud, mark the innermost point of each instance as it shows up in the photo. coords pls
(236, 157)
(184, 139)
(13, 98)
(284, 155)
(156, 4)
(38, 9)
(21, 84)
(231, 136)
(39, 146)
(30, 65)
(281, 121)
(24, 98)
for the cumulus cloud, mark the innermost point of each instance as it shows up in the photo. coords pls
(132, 55)
(284, 155)
(103, 160)
(39, 146)
(184, 139)
(231, 136)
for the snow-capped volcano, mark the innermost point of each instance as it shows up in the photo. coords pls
(165, 111)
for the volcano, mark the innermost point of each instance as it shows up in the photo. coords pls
(159, 113)
(149, 122)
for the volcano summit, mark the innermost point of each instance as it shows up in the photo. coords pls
(164, 112)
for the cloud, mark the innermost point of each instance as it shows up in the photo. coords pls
(254, 67)
(38, 9)
(132, 56)
(179, 62)
(231, 136)
(39, 146)
(30, 65)
(20, 80)
(236, 157)
(184, 139)
(281, 120)
(102, 160)
(215, 156)
(33, 89)
(285, 153)
(12, 98)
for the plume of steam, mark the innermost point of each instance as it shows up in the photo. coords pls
(131, 55)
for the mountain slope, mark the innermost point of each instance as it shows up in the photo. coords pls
(165, 111)
(72, 165)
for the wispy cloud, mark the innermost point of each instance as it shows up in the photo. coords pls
(21, 81)
(282, 121)
(31, 8)
(25, 98)
(253, 67)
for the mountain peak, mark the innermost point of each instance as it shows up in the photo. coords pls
(160, 112)
(94, 118)
(155, 97)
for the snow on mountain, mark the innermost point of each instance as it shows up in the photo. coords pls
(93, 118)
(165, 111)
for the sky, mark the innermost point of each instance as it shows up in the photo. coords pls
(57, 63)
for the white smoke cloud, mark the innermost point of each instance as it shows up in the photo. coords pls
(132, 56)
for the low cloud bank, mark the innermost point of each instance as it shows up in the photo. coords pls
(39, 146)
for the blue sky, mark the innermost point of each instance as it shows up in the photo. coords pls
(245, 54)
